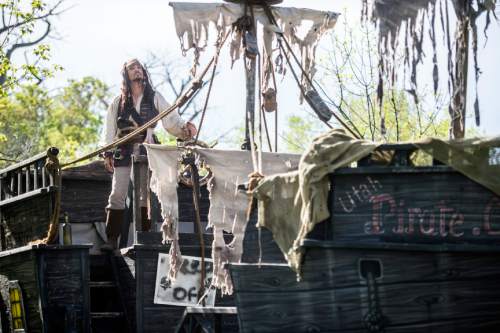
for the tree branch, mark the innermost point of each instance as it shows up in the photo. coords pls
(51, 12)
(28, 44)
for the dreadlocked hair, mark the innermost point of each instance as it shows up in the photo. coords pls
(126, 100)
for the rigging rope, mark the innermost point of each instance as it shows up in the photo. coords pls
(275, 112)
(190, 159)
(219, 45)
(262, 114)
(281, 38)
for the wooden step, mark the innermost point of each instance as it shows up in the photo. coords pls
(106, 315)
(102, 284)
(211, 310)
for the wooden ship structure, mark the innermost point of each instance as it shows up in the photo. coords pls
(406, 249)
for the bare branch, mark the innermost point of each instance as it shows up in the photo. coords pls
(51, 12)
(31, 43)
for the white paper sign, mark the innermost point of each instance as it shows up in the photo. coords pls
(184, 290)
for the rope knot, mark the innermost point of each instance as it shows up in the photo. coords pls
(52, 163)
(253, 181)
(197, 84)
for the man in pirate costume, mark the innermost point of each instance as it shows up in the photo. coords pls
(137, 104)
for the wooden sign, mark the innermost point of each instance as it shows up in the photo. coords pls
(432, 205)
(184, 290)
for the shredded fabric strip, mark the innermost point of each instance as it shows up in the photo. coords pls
(228, 200)
(302, 27)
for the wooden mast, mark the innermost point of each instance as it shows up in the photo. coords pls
(250, 75)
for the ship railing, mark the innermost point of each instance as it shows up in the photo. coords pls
(26, 179)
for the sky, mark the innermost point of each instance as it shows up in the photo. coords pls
(97, 36)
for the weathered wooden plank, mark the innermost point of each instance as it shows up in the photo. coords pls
(40, 156)
(22, 198)
(85, 190)
(63, 281)
(84, 200)
(186, 207)
(407, 289)
(158, 321)
(19, 174)
(128, 284)
(93, 171)
(24, 223)
(27, 178)
(343, 265)
(259, 245)
(413, 207)
(35, 177)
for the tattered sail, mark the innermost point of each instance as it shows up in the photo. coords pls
(228, 202)
(193, 21)
(403, 26)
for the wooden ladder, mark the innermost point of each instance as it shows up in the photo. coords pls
(108, 311)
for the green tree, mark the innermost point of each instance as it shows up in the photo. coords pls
(300, 131)
(70, 119)
(24, 25)
(349, 75)
(403, 122)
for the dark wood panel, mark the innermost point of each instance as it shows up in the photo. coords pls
(26, 221)
(21, 266)
(128, 285)
(85, 192)
(84, 200)
(157, 317)
(63, 281)
(344, 265)
(186, 207)
(54, 282)
(260, 247)
(340, 287)
(416, 207)
(162, 319)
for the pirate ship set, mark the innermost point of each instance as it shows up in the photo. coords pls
(400, 248)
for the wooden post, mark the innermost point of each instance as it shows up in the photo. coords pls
(2, 228)
(19, 173)
(35, 176)
(51, 179)
(3, 243)
(44, 177)
(136, 182)
(28, 179)
(12, 183)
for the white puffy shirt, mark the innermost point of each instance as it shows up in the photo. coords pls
(173, 123)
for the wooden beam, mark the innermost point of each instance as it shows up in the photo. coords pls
(27, 195)
(24, 163)
(136, 182)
